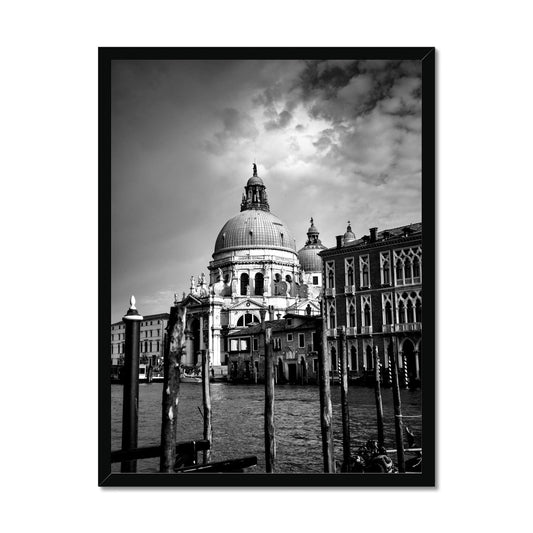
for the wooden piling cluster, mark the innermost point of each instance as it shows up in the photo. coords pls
(174, 349)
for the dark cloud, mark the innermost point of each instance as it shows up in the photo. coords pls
(236, 125)
(336, 92)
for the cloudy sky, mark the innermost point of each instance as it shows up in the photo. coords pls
(337, 140)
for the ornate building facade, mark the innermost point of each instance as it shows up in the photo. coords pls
(373, 288)
(255, 267)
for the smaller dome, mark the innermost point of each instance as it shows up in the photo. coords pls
(349, 236)
(309, 259)
(255, 180)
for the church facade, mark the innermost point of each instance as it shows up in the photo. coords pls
(255, 271)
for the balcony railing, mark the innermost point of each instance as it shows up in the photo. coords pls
(412, 326)
(366, 330)
(351, 331)
(330, 292)
(349, 289)
(409, 281)
(388, 328)
(330, 332)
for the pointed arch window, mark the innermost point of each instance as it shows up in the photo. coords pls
(364, 267)
(416, 267)
(351, 316)
(408, 271)
(418, 310)
(410, 312)
(399, 272)
(349, 267)
(388, 313)
(332, 317)
(369, 358)
(367, 315)
(401, 312)
(353, 358)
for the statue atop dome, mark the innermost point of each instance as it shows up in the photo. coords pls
(255, 170)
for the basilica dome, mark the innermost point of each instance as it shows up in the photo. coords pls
(254, 228)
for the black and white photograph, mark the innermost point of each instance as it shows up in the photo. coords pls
(263, 266)
(268, 240)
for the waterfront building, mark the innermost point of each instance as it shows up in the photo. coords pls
(255, 267)
(294, 348)
(152, 340)
(373, 288)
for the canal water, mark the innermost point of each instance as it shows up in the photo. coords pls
(238, 421)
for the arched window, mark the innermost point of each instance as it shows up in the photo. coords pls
(418, 310)
(386, 273)
(410, 312)
(247, 319)
(350, 275)
(399, 271)
(369, 358)
(353, 358)
(245, 282)
(332, 317)
(388, 313)
(416, 268)
(365, 276)
(367, 315)
(351, 316)
(259, 284)
(407, 270)
(401, 312)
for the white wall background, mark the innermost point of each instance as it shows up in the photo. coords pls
(49, 219)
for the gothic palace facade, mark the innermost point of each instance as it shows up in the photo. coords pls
(373, 288)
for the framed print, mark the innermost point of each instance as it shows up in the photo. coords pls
(266, 225)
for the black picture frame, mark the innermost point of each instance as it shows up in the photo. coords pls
(426, 478)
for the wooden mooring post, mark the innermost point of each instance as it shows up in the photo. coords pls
(326, 411)
(379, 401)
(130, 407)
(270, 429)
(206, 395)
(398, 422)
(343, 354)
(171, 385)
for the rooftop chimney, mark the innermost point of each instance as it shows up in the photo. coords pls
(339, 241)
(373, 234)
